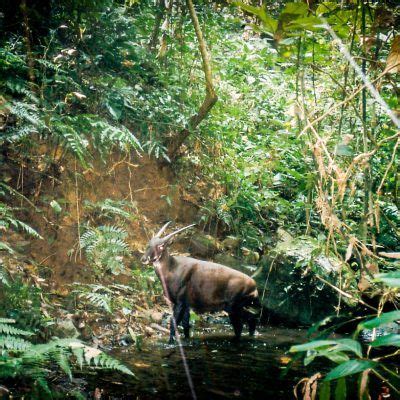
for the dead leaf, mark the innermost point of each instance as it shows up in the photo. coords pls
(363, 284)
(373, 268)
(393, 60)
(390, 255)
(349, 250)
(363, 387)
(141, 365)
(285, 360)
(79, 96)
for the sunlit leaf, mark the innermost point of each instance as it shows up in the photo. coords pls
(383, 319)
(349, 368)
(391, 279)
(295, 8)
(311, 345)
(387, 340)
(349, 345)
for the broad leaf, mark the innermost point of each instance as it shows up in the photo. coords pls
(341, 389)
(383, 319)
(344, 150)
(325, 391)
(309, 23)
(269, 23)
(55, 206)
(295, 8)
(349, 368)
(349, 345)
(311, 345)
(326, 7)
(387, 340)
(391, 279)
(337, 357)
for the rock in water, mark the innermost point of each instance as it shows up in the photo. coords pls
(293, 293)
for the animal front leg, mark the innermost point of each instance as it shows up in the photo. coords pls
(176, 319)
(237, 323)
(251, 320)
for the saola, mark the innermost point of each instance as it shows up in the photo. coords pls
(201, 285)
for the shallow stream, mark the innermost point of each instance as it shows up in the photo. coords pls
(220, 369)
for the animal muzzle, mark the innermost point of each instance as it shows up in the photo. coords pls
(145, 260)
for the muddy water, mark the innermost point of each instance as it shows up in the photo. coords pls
(219, 369)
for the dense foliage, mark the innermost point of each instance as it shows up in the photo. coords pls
(297, 139)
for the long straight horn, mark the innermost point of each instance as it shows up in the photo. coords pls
(176, 232)
(162, 230)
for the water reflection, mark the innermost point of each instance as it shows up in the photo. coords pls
(220, 369)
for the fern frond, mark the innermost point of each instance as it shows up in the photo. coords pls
(28, 229)
(105, 247)
(98, 300)
(11, 330)
(15, 344)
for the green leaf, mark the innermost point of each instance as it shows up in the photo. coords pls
(337, 357)
(325, 391)
(391, 279)
(309, 23)
(341, 389)
(344, 150)
(6, 247)
(55, 206)
(311, 345)
(387, 340)
(349, 345)
(269, 24)
(383, 319)
(326, 7)
(295, 8)
(349, 368)
(115, 110)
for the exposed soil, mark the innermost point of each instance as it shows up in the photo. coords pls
(157, 195)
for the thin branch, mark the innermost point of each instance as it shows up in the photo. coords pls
(345, 101)
(389, 166)
(345, 294)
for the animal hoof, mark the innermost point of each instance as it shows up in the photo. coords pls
(171, 341)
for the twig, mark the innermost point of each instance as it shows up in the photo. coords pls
(389, 166)
(383, 379)
(151, 188)
(345, 294)
(337, 105)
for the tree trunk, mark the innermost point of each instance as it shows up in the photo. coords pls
(210, 98)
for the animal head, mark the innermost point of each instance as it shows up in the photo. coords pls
(157, 245)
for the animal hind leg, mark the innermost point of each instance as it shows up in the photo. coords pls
(251, 322)
(185, 322)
